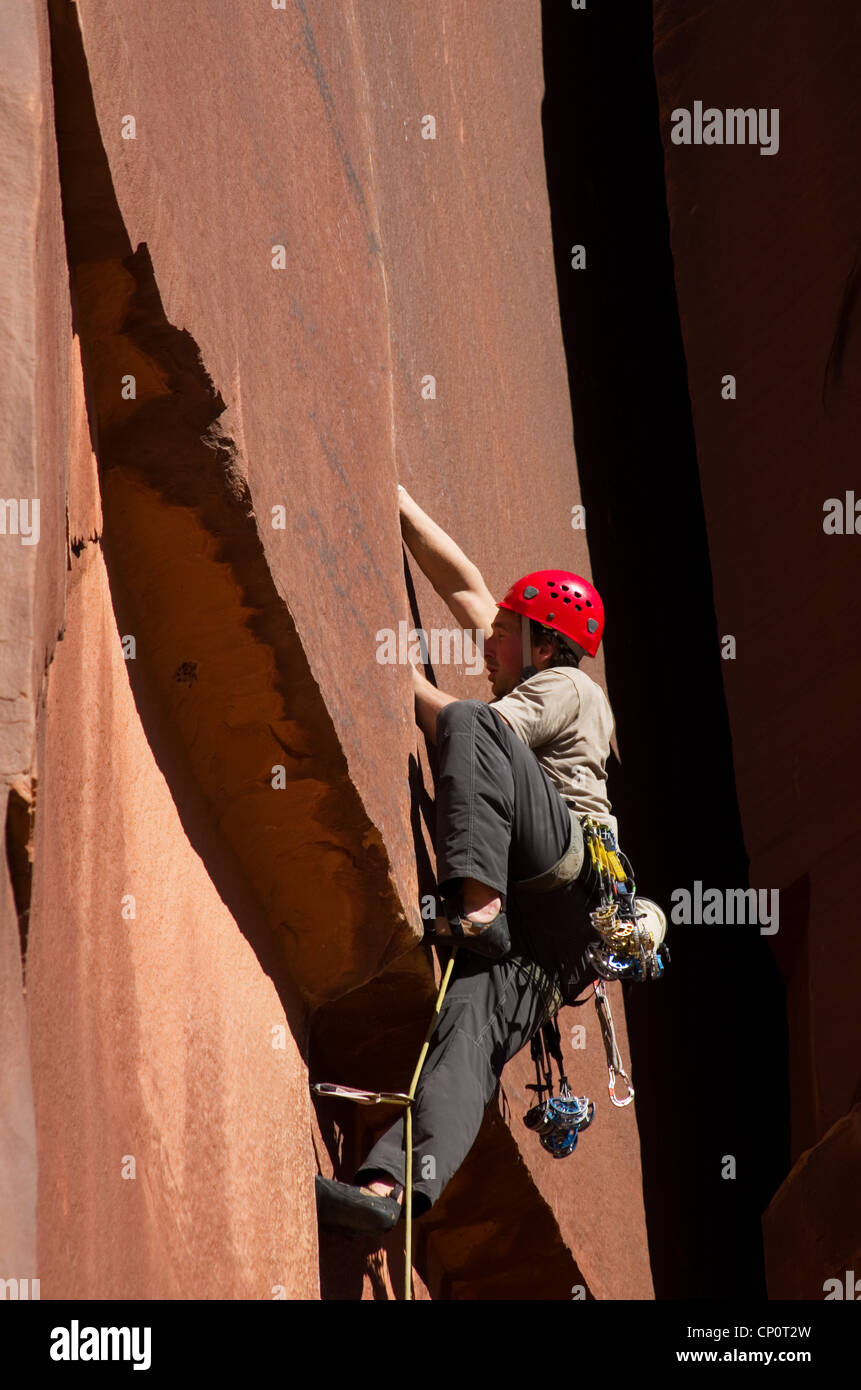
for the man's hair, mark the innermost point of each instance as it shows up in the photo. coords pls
(563, 653)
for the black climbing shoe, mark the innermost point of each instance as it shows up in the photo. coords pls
(345, 1208)
(490, 939)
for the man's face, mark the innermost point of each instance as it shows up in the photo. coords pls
(503, 654)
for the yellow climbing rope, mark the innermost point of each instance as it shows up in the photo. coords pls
(362, 1097)
(408, 1135)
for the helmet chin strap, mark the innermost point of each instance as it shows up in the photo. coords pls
(526, 648)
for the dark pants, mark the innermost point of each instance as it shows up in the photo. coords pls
(499, 820)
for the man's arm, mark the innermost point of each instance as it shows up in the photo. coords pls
(456, 579)
(429, 702)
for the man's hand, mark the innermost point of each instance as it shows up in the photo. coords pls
(428, 701)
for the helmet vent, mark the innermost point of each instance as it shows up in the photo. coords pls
(566, 600)
(579, 607)
(588, 603)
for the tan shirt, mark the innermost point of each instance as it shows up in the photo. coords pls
(566, 719)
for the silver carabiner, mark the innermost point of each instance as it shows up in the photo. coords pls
(611, 1087)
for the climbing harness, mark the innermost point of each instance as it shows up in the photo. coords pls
(332, 1089)
(631, 930)
(558, 1120)
(566, 868)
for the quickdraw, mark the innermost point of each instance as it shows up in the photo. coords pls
(611, 1047)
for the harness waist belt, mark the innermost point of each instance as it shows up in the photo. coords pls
(565, 869)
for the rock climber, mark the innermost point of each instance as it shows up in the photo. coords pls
(513, 778)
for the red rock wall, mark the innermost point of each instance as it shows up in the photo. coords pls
(171, 1093)
(766, 261)
(256, 908)
(35, 338)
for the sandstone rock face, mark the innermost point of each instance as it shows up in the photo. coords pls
(283, 300)
(813, 1225)
(35, 346)
(766, 262)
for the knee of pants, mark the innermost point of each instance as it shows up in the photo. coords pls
(460, 714)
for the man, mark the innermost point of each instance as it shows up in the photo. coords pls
(511, 868)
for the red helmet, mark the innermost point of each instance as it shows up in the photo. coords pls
(565, 602)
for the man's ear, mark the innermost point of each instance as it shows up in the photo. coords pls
(544, 650)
